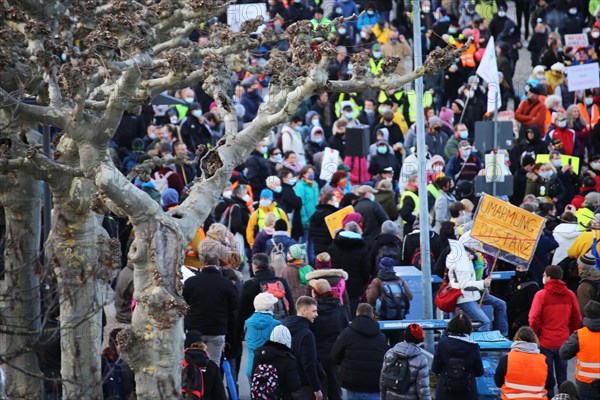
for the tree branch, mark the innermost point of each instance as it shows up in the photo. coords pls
(38, 166)
(32, 113)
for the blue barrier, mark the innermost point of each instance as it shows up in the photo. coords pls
(426, 324)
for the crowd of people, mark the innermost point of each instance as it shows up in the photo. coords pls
(306, 300)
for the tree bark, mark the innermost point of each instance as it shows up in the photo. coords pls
(78, 249)
(20, 306)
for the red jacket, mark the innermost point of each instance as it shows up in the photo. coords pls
(578, 199)
(554, 314)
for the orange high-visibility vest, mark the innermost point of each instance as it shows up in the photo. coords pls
(526, 375)
(587, 368)
(589, 120)
(468, 57)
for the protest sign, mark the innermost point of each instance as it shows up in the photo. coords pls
(334, 221)
(576, 40)
(506, 231)
(566, 160)
(583, 77)
(239, 13)
(329, 164)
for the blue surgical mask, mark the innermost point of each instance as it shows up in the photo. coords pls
(311, 176)
(452, 31)
(377, 54)
(197, 113)
(292, 181)
(341, 31)
(339, 11)
(382, 150)
(369, 112)
(464, 134)
(349, 115)
(277, 158)
(589, 101)
(189, 100)
(371, 12)
(557, 163)
(466, 153)
(298, 129)
(277, 189)
(315, 122)
(264, 149)
(573, 11)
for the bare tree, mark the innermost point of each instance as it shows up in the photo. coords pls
(128, 53)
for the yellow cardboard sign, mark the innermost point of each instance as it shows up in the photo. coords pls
(574, 161)
(334, 221)
(507, 228)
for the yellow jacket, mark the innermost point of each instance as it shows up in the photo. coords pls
(582, 245)
(256, 222)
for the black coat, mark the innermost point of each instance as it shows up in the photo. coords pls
(212, 300)
(338, 142)
(373, 215)
(381, 161)
(282, 358)
(447, 348)
(318, 229)
(290, 203)
(193, 132)
(351, 255)
(390, 241)
(251, 288)
(412, 243)
(332, 320)
(258, 172)
(213, 382)
(359, 350)
(518, 303)
(305, 349)
(130, 127)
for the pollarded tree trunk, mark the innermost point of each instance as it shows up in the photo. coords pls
(78, 249)
(20, 290)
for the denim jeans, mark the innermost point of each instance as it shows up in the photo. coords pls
(350, 395)
(214, 347)
(473, 310)
(310, 248)
(557, 366)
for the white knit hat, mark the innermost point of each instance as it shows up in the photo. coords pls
(281, 335)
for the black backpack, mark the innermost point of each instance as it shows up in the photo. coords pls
(192, 381)
(417, 261)
(458, 378)
(396, 376)
(393, 303)
(393, 251)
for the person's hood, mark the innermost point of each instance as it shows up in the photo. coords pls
(260, 320)
(328, 305)
(326, 273)
(406, 350)
(592, 275)
(308, 118)
(386, 134)
(272, 351)
(196, 357)
(348, 240)
(365, 326)
(387, 276)
(569, 231)
(536, 134)
(556, 287)
(281, 233)
(327, 207)
(387, 238)
(592, 323)
(296, 323)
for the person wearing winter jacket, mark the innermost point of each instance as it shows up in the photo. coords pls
(565, 235)
(360, 350)
(567, 136)
(387, 244)
(308, 190)
(455, 345)
(554, 315)
(260, 325)
(295, 271)
(256, 223)
(523, 372)
(383, 159)
(590, 281)
(373, 215)
(280, 236)
(266, 234)
(328, 325)
(349, 252)
(277, 351)
(584, 344)
(521, 290)
(417, 363)
(318, 228)
(196, 356)
(337, 278)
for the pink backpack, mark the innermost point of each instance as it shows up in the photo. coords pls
(338, 290)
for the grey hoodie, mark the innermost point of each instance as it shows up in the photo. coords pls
(419, 372)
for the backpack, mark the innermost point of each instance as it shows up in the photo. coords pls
(458, 378)
(277, 258)
(192, 381)
(393, 303)
(396, 376)
(160, 181)
(265, 383)
(282, 307)
(339, 289)
(417, 261)
(226, 216)
(392, 251)
(595, 285)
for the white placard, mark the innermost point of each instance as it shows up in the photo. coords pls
(329, 164)
(493, 167)
(583, 77)
(576, 40)
(238, 13)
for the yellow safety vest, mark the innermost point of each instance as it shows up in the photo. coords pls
(415, 199)
(376, 67)
(355, 107)
(181, 111)
(433, 190)
(584, 216)
(412, 103)
(383, 96)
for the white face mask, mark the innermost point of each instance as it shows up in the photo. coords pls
(189, 100)
(265, 202)
(561, 124)
(227, 194)
(596, 34)
(246, 198)
(426, 9)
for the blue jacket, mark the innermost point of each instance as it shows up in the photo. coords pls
(279, 237)
(310, 199)
(471, 169)
(258, 330)
(368, 20)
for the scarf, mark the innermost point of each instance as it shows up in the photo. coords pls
(311, 183)
(525, 347)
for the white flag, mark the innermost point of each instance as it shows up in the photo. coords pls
(488, 71)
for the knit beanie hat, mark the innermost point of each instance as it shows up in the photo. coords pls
(355, 217)
(169, 197)
(264, 301)
(323, 261)
(592, 309)
(587, 261)
(192, 337)
(414, 334)
(281, 335)
(281, 225)
(297, 252)
(446, 114)
(386, 265)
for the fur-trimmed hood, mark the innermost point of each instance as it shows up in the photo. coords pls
(325, 273)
